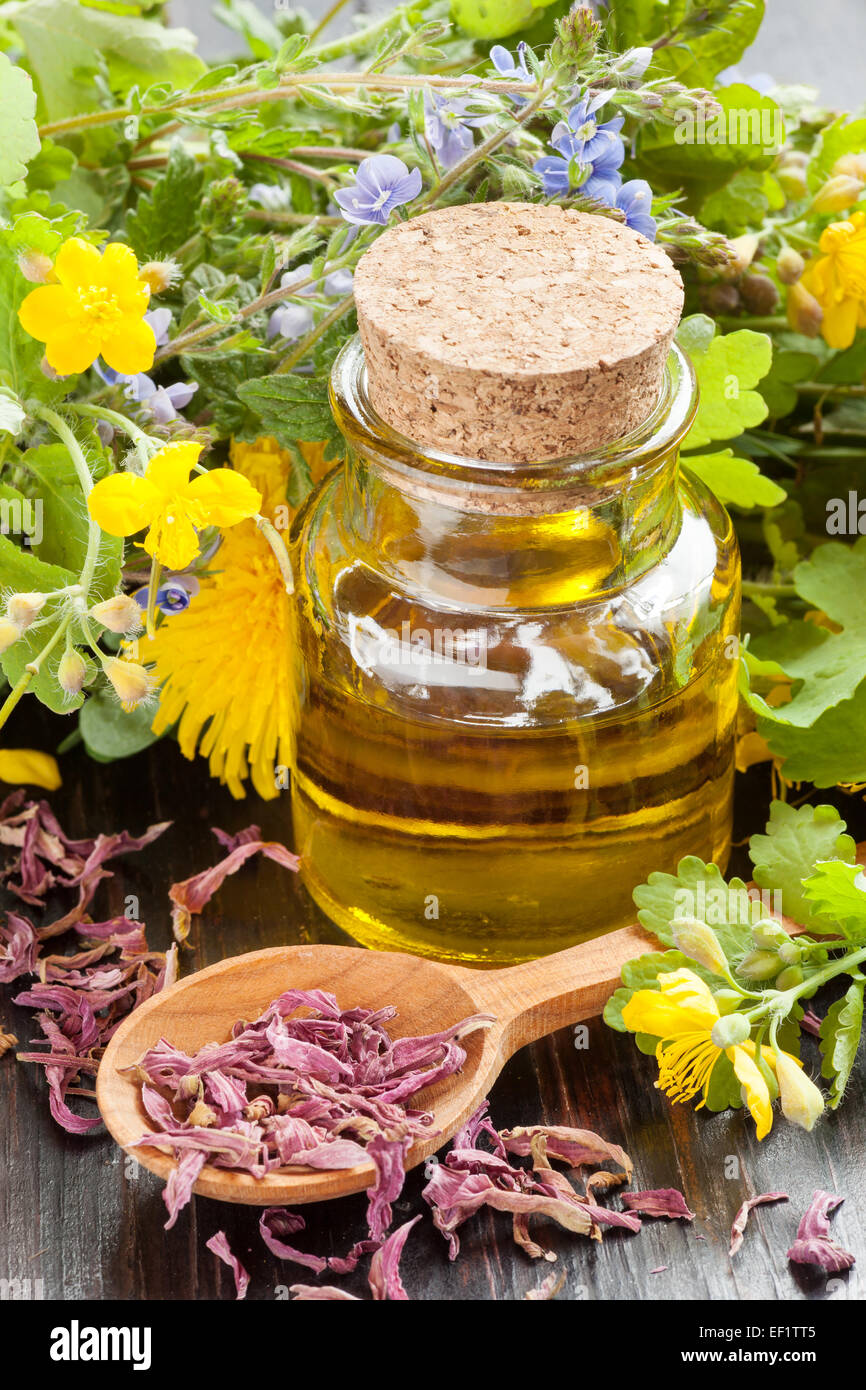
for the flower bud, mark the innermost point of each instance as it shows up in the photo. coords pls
(802, 1102)
(728, 1001)
(759, 294)
(22, 609)
(731, 1031)
(9, 633)
(769, 935)
(36, 267)
(71, 672)
(132, 683)
(789, 265)
(790, 978)
(700, 943)
(760, 965)
(743, 250)
(633, 63)
(792, 178)
(159, 275)
(837, 194)
(119, 614)
(805, 314)
(853, 165)
(790, 953)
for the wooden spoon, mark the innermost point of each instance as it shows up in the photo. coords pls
(528, 1002)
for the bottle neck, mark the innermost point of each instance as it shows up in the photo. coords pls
(488, 535)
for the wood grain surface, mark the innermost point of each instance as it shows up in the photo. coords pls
(80, 1220)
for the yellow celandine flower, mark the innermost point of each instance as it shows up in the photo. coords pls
(96, 307)
(682, 1014)
(837, 280)
(28, 765)
(224, 662)
(170, 505)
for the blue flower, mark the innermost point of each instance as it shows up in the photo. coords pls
(448, 128)
(506, 66)
(588, 155)
(163, 402)
(635, 199)
(382, 183)
(292, 321)
(173, 594)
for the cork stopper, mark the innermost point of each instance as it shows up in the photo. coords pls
(513, 332)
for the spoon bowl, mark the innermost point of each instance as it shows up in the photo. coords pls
(527, 1001)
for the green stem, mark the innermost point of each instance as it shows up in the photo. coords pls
(142, 441)
(249, 94)
(760, 590)
(152, 586)
(331, 13)
(64, 433)
(339, 311)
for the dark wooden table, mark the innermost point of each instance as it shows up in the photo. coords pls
(81, 1221)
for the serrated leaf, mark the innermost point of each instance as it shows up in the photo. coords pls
(798, 838)
(830, 751)
(696, 890)
(19, 138)
(840, 1039)
(826, 666)
(727, 370)
(735, 481)
(166, 217)
(837, 892)
(293, 408)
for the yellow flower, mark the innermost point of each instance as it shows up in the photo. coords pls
(31, 766)
(683, 1015)
(97, 306)
(224, 663)
(802, 1102)
(171, 506)
(837, 280)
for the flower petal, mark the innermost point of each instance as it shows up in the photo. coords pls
(123, 503)
(72, 348)
(840, 323)
(44, 311)
(78, 264)
(29, 765)
(224, 496)
(172, 538)
(650, 1011)
(755, 1087)
(169, 469)
(130, 346)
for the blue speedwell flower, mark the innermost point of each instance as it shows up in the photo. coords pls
(383, 183)
(589, 154)
(635, 199)
(516, 67)
(448, 127)
(292, 321)
(173, 594)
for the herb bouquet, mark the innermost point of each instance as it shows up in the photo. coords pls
(177, 244)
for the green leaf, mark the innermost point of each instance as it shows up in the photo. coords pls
(737, 205)
(704, 157)
(777, 387)
(164, 219)
(52, 481)
(830, 751)
(19, 138)
(837, 891)
(797, 839)
(727, 367)
(67, 44)
(735, 481)
(21, 355)
(712, 36)
(293, 408)
(20, 571)
(109, 732)
(826, 666)
(697, 890)
(840, 1039)
(843, 136)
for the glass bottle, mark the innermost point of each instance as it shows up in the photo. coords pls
(516, 683)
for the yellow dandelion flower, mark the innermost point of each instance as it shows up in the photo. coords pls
(170, 505)
(223, 662)
(685, 1017)
(96, 307)
(837, 280)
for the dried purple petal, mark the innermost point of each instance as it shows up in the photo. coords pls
(547, 1289)
(738, 1229)
(661, 1201)
(276, 1222)
(308, 1293)
(385, 1278)
(811, 1023)
(577, 1147)
(192, 894)
(814, 1244)
(20, 947)
(221, 1248)
(243, 837)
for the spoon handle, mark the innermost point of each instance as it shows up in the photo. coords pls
(539, 996)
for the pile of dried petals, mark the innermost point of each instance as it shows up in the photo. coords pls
(81, 997)
(326, 1089)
